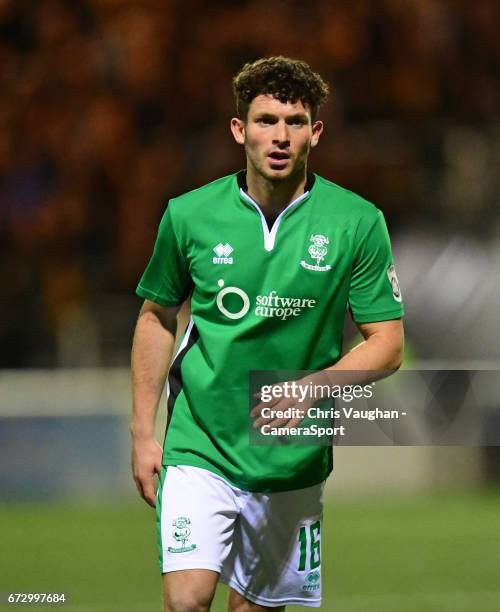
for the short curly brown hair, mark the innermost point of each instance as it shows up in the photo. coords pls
(287, 79)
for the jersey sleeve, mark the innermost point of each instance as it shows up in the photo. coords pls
(166, 279)
(374, 294)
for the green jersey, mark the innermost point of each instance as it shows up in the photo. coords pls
(262, 298)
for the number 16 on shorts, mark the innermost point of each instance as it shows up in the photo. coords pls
(310, 546)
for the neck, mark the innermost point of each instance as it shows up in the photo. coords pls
(274, 196)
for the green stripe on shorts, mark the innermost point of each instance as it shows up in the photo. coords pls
(159, 493)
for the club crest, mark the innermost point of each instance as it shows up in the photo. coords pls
(317, 251)
(181, 533)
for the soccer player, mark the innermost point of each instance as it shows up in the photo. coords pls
(270, 257)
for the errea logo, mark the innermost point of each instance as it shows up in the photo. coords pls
(312, 581)
(222, 252)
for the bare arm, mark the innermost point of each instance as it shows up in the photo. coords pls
(151, 355)
(381, 351)
(379, 355)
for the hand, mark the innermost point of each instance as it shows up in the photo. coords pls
(287, 410)
(146, 462)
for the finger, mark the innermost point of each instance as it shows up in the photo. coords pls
(294, 422)
(259, 394)
(272, 423)
(157, 467)
(149, 493)
(139, 487)
(259, 422)
(278, 403)
(262, 421)
(285, 429)
(287, 422)
(299, 413)
(279, 423)
(146, 490)
(268, 404)
(256, 411)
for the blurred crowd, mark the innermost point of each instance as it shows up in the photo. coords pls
(109, 108)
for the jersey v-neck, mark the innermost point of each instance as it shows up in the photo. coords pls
(270, 232)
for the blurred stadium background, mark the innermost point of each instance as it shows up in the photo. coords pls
(109, 108)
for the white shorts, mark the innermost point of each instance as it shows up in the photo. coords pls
(267, 547)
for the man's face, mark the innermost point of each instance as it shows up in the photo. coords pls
(277, 136)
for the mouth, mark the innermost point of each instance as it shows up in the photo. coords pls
(278, 159)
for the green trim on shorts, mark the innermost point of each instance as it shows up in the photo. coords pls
(159, 494)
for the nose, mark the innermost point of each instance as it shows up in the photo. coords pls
(280, 135)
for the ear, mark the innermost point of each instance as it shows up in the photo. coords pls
(317, 130)
(238, 130)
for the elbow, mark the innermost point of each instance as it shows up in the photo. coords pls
(397, 357)
(396, 364)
